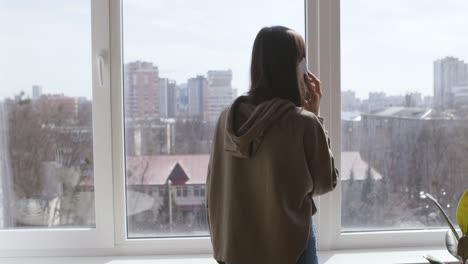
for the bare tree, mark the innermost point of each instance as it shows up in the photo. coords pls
(192, 137)
(42, 132)
(29, 147)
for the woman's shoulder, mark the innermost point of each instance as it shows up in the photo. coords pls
(307, 118)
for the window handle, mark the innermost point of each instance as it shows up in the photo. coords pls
(100, 65)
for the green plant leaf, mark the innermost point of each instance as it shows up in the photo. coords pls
(462, 214)
(452, 244)
(463, 247)
(433, 260)
(444, 214)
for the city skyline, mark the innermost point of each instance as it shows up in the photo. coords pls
(391, 45)
(411, 40)
(403, 129)
(183, 84)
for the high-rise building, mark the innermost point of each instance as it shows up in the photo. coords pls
(36, 91)
(460, 95)
(196, 89)
(182, 99)
(167, 98)
(449, 72)
(379, 100)
(219, 94)
(349, 102)
(141, 85)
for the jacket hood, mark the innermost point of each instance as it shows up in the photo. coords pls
(246, 124)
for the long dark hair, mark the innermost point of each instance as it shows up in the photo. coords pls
(274, 72)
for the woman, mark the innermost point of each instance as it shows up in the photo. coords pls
(270, 156)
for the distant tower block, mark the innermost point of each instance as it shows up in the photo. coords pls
(36, 91)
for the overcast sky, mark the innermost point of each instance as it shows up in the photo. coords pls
(186, 38)
(46, 43)
(387, 45)
(390, 45)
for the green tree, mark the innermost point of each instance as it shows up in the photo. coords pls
(368, 187)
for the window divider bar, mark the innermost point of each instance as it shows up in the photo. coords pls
(329, 74)
(118, 151)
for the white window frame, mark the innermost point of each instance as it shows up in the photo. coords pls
(324, 28)
(124, 245)
(110, 235)
(18, 240)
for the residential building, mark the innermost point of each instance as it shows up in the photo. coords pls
(460, 96)
(178, 180)
(413, 100)
(142, 90)
(144, 138)
(219, 94)
(36, 92)
(349, 102)
(449, 72)
(415, 147)
(182, 99)
(428, 101)
(196, 90)
(167, 98)
(379, 100)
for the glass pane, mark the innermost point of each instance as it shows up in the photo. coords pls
(404, 110)
(46, 140)
(184, 61)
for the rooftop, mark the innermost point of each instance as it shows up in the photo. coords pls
(352, 161)
(193, 169)
(412, 113)
(155, 170)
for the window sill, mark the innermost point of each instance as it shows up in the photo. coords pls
(383, 256)
(380, 256)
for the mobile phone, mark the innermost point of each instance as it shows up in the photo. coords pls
(303, 66)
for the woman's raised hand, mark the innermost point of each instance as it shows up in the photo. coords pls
(312, 103)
